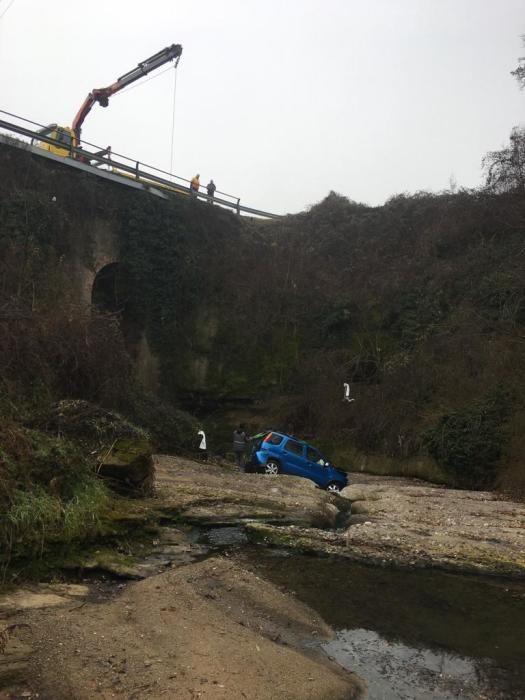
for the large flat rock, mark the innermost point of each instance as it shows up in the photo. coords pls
(407, 523)
(404, 520)
(211, 494)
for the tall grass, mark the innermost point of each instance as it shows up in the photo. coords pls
(37, 518)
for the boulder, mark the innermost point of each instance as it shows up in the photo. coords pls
(128, 467)
(119, 451)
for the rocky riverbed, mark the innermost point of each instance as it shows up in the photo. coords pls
(407, 523)
(390, 521)
(214, 494)
(211, 626)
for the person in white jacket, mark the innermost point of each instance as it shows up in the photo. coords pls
(202, 446)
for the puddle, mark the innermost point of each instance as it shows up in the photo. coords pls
(413, 635)
(395, 671)
(178, 547)
(226, 537)
(173, 547)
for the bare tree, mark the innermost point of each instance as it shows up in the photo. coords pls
(519, 73)
(505, 169)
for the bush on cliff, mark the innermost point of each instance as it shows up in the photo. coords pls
(170, 429)
(118, 451)
(469, 444)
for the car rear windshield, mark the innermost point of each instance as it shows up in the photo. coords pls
(273, 439)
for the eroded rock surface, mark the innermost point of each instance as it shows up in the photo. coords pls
(419, 524)
(210, 494)
(408, 523)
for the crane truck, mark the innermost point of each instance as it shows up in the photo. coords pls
(69, 137)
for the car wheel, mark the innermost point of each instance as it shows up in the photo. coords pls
(333, 487)
(272, 467)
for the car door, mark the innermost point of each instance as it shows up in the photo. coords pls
(294, 461)
(315, 465)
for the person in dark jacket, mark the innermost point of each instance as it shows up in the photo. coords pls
(210, 189)
(239, 445)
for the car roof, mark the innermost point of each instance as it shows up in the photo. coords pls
(291, 437)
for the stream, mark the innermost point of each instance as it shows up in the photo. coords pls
(412, 635)
(419, 635)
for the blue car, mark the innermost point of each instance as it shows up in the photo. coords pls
(277, 453)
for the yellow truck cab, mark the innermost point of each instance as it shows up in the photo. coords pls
(63, 134)
(69, 137)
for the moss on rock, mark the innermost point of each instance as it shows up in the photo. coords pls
(128, 466)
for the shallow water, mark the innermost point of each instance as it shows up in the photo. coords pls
(229, 536)
(413, 635)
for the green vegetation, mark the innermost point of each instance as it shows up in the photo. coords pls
(48, 493)
(36, 518)
(65, 371)
(469, 444)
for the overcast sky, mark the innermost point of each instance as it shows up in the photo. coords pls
(280, 101)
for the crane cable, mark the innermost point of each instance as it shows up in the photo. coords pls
(132, 87)
(142, 82)
(173, 118)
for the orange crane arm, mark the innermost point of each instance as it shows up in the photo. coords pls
(102, 95)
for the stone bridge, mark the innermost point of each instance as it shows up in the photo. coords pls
(93, 223)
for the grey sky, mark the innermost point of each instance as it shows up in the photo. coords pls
(280, 101)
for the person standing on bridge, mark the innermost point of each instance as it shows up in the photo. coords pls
(210, 189)
(194, 185)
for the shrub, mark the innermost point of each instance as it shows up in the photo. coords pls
(171, 429)
(469, 444)
(502, 296)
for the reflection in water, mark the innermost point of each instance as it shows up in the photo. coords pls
(395, 671)
(424, 635)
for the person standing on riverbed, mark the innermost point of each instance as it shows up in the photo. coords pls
(203, 452)
(239, 445)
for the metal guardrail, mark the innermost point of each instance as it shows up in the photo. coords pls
(121, 168)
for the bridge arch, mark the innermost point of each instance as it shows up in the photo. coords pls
(106, 290)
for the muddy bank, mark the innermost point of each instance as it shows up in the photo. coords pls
(207, 630)
(406, 523)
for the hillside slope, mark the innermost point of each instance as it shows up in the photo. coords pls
(418, 304)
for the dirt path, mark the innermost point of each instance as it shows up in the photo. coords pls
(208, 630)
